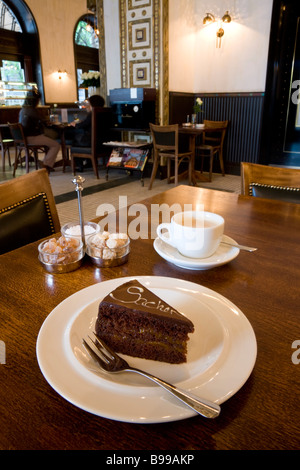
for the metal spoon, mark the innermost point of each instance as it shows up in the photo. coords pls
(241, 247)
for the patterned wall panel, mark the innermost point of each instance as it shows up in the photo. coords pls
(143, 36)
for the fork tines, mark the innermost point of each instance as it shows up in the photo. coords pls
(97, 351)
(102, 346)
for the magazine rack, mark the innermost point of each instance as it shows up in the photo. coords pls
(129, 156)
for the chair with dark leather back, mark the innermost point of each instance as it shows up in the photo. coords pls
(101, 130)
(212, 143)
(270, 182)
(27, 210)
(166, 145)
(21, 145)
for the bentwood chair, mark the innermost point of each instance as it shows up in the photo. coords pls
(270, 182)
(212, 144)
(101, 129)
(27, 210)
(23, 149)
(166, 145)
(6, 143)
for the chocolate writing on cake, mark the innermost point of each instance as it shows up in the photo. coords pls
(134, 296)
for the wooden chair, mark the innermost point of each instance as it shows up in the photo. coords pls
(27, 210)
(166, 144)
(23, 149)
(6, 143)
(212, 144)
(101, 129)
(270, 182)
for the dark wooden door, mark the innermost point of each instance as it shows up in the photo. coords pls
(280, 144)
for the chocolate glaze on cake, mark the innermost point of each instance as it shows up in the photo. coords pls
(133, 320)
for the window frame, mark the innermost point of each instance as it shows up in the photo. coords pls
(86, 58)
(23, 46)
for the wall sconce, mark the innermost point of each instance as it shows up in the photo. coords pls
(61, 74)
(220, 34)
(209, 18)
(226, 18)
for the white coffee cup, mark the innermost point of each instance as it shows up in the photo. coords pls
(195, 234)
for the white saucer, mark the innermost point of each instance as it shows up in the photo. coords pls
(223, 255)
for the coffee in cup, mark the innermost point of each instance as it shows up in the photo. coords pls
(195, 234)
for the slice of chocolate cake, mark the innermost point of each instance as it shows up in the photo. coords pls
(132, 320)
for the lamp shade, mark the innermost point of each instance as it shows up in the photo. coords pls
(226, 18)
(209, 18)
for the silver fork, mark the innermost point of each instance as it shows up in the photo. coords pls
(111, 362)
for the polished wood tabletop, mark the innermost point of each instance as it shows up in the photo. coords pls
(263, 414)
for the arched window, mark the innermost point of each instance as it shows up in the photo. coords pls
(19, 44)
(86, 46)
(86, 35)
(11, 70)
(8, 19)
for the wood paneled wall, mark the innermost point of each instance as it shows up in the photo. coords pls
(242, 110)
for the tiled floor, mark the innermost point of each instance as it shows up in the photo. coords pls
(122, 195)
(120, 190)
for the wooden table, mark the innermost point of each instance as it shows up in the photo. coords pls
(60, 128)
(193, 132)
(263, 414)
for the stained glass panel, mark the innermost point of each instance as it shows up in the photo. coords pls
(85, 35)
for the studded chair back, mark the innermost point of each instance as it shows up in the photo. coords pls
(27, 210)
(270, 182)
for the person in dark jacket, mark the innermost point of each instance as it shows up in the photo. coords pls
(81, 133)
(34, 129)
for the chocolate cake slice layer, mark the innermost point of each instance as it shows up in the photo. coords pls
(133, 320)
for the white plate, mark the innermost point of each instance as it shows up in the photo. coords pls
(223, 255)
(221, 354)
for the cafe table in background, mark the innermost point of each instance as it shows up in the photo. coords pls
(193, 131)
(245, 305)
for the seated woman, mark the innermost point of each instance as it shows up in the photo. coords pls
(80, 133)
(34, 129)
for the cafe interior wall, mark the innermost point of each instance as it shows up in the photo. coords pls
(197, 65)
(56, 20)
(229, 76)
(238, 65)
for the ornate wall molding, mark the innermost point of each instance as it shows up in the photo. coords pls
(144, 49)
(102, 58)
